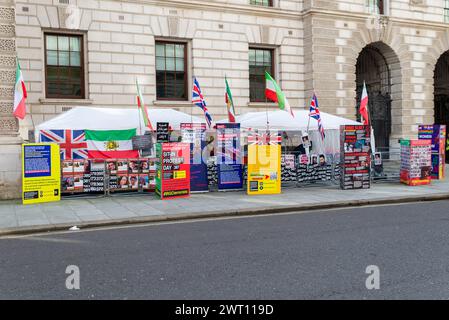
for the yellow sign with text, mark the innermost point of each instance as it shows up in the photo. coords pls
(41, 173)
(264, 169)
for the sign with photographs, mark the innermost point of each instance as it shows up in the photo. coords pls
(355, 153)
(195, 135)
(229, 162)
(82, 176)
(131, 174)
(288, 168)
(41, 173)
(173, 170)
(264, 163)
(437, 135)
(416, 162)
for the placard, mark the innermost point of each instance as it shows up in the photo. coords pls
(41, 173)
(355, 156)
(173, 170)
(229, 160)
(416, 162)
(195, 135)
(162, 132)
(264, 163)
(437, 135)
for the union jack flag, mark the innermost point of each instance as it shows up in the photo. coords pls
(72, 143)
(198, 100)
(265, 138)
(315, 114)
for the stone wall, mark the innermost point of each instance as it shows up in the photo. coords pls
(10, 164)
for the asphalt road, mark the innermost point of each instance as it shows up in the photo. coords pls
(314, 255)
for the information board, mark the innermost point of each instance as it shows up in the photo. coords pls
(173, 170)
(437, 135)
(195, 135)
(355, 153)
(416, 162)
(162, 132)
(264, 163)
(41, 175)
(229, 160)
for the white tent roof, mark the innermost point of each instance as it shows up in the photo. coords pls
(281, 120)
(87, 118)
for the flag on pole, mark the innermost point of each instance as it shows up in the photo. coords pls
(198, 100)
(143, 108)
(315, 114)
(20, 94)
(229, 102)
(274, 93)
(364, 106)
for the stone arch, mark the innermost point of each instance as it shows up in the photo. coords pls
(379, 66)
(441, 91)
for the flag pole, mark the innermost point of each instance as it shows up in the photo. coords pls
(139, 107)
(308, 122)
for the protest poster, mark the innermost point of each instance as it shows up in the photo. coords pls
(41, 173)
(355, 157)
(437, 135)
(264, 163)
(173, 170)
(416, 162)
(195, 135)
(229, 160)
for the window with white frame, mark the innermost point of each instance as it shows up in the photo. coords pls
(376, 6)
(446, 11)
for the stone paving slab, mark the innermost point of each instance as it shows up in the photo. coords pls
(137, 208)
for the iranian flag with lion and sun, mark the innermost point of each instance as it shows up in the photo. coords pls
(111, 144)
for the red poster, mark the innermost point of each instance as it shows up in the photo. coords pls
(173, 174)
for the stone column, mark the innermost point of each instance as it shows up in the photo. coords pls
(10, 141)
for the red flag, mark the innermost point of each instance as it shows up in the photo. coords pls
(364, 106)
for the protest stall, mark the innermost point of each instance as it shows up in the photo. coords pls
(108, 150)
(306, 158)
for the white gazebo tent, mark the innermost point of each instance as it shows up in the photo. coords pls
(89, 118)
(283, 121)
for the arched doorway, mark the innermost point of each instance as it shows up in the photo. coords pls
(378, 66)
(441, 92)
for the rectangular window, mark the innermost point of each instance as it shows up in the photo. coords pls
(171, 71)
(64, 66)
(376, 6)
(260, 60)
(265, 3)
(446, 11)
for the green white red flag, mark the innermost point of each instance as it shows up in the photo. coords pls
(20, 94)
(364, 105)
(111, 144)
(229, 103)
(274, 93)
(143, 108)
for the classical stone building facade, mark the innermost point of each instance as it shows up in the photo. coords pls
(90, 52)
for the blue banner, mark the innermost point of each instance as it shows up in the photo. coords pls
(229, 160)
(195, 134)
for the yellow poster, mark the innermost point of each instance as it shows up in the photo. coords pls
(264, 169)
(41, 174)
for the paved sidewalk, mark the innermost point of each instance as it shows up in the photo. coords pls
(16, 218)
